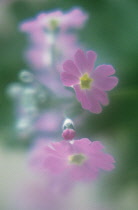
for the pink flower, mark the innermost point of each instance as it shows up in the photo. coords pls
(79, 160)
(74, 19)
(90, 85)
(56, 19)
(40, 57)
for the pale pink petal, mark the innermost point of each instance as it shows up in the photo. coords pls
(104, 161)
(54, 164)
(101, 96)
(68, 79)
(61, 148)
(75, 18)
(83, 173)
(105, 83)
(91, 58)
(85, 101)
(95, 105)
(81, 61)
(103, 71)
(97, 146)
(83, 145)
(82, 97)
(71, 68)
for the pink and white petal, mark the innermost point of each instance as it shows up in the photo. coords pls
(70, 67)
(68, 79)
(81, 61)
(91, 58)
(103, 71)
(105, 83)
(101, 96)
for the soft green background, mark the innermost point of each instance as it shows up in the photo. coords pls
(112, 31)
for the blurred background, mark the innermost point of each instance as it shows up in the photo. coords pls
(111, 31)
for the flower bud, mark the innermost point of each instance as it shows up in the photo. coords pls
(68, 134)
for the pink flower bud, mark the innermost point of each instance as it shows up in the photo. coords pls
(68, 134)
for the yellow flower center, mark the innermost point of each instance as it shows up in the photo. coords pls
(53, 24)
(77, 159)
(85, 81)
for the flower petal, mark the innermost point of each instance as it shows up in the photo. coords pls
(95, 105)
(83, 144)
(84, 172)
(101, 96)
(103, 161)
(104, 71)
(91, 58)
(105, 83)
(54, 164)
(71, 68)
(68, 79)
(82, 97)
(81, 61)
(96, 146)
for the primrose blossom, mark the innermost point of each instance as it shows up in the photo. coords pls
(75, 18)
(80, 160)
(90, 85)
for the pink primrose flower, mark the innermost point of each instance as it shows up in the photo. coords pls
(56, 19)
(90, 85)
(79, 159)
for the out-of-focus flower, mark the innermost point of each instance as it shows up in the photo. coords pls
(52, 52)
(49, 121)
(56, 19)
(79, 159)
(89, 84)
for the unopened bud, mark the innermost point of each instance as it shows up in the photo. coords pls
(68, 134)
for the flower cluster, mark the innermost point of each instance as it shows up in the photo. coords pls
(51, 42)
(50, 56)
